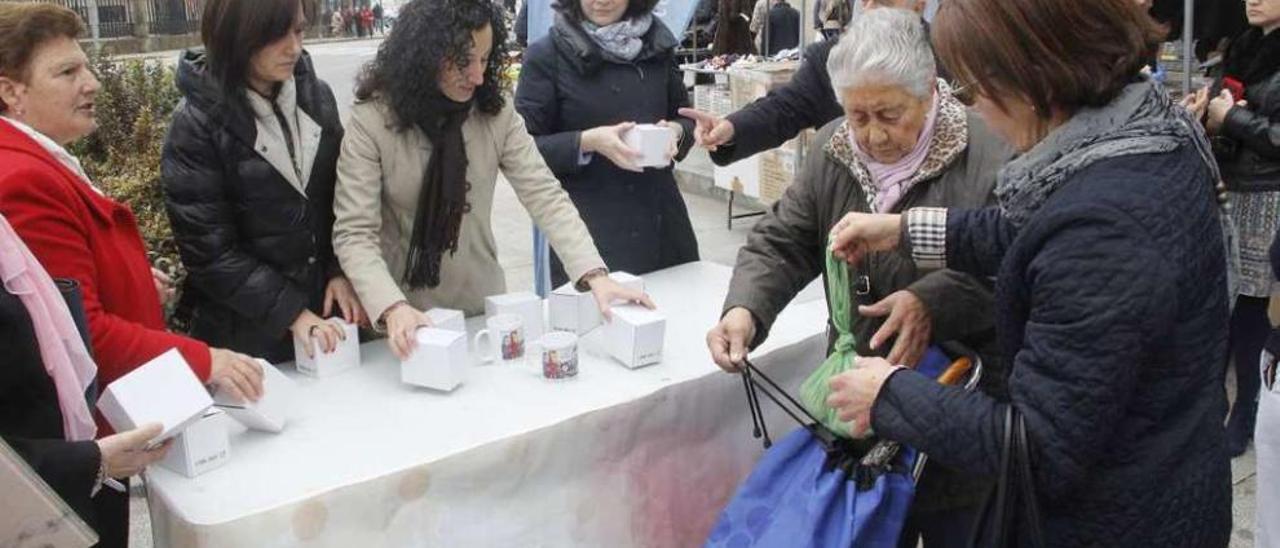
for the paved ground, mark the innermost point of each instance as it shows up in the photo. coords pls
(339, 62)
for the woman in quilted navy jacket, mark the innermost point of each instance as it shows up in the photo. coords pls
(1111, 283)
(248, 169)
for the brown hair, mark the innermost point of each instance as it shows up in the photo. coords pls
(233, 30)
(24, 28)
(1055, 54)
(572, 9)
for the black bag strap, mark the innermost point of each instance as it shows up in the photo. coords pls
(1011, 514)
(1030, 504)
(863, 460)
(1001, 505)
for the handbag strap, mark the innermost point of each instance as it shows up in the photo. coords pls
(992, 527)
(1030, 503)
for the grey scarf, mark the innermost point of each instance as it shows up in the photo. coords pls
(1141, 120)
(621, 41)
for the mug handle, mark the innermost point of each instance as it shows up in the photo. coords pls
(482, 349)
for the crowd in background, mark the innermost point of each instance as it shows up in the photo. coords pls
(357, 21)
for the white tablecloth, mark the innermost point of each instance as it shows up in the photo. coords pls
(615, 457)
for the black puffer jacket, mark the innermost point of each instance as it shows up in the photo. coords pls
(257, 251)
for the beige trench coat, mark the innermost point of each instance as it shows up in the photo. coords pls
(380, 171)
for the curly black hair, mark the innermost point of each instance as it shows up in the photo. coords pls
(572, 9)
(405, 73)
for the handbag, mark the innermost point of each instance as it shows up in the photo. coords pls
(1011, 514)
(70, 290)
(71, 293)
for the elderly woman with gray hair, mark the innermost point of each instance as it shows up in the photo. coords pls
(905, 141)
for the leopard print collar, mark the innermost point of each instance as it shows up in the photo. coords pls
(950, 138)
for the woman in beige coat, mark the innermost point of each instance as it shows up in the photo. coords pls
(416, 175)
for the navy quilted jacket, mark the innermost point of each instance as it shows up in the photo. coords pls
(1111, 305)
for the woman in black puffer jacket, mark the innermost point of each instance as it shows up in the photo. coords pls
(598, 72)
(248, 170)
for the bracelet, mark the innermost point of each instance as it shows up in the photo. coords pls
(584, 285)
(102, 476)
(381, 325)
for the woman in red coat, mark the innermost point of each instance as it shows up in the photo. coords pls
(46, 101)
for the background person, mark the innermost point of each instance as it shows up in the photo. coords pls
(606, 66)
(1246, 134)
(733, 28)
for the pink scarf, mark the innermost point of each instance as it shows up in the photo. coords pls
(890, 179)
(61, 348)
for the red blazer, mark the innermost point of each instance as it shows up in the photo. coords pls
(77, 233)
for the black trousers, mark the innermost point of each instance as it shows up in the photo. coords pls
(111, 509)
(942, 529)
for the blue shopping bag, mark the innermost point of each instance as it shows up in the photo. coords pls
(795, 497)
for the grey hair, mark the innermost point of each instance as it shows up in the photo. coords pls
(884, 46)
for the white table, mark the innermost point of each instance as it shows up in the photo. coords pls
(615, 457)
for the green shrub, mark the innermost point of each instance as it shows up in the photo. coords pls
(122, 157)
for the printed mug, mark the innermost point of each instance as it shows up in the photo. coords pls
(556, 354)
(505, 338)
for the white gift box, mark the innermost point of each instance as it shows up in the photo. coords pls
(201, 447)
(576, 311)
(271, 412)
(345, 356)
(628, 280)
(526, 305)
(652, 141)
(439, 361)
(163, 390)
(635, 335)
(448, 319)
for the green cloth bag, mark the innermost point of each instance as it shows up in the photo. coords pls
(814, 390)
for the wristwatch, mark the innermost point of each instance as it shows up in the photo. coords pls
(584, 283)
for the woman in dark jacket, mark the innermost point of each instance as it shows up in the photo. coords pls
(1111, 284)
(1244, 122)
(248, 170)
(598, 73)
(733, 28)
(46, 391)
